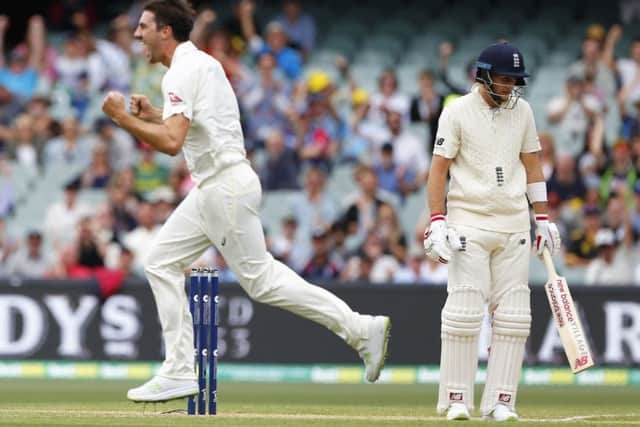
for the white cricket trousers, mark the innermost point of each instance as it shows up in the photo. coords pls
(223, 211)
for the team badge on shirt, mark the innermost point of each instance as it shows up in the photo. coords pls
(440, 141)
(175, 99)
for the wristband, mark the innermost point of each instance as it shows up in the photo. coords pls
(437, 216)
(537, 192)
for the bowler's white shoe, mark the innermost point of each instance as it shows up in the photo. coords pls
(501, 413)
(159, 389)
(374, 349)
(458, 412)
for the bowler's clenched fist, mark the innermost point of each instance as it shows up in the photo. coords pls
(113, 105)
(141, 107)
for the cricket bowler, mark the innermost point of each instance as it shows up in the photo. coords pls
(200, 117)
(487, 143)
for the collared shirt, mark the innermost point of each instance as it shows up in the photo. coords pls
(488, 180)
(196, 86)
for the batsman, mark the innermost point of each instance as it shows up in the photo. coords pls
(487, 143)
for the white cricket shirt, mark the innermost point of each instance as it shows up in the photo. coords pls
(195, 85)
(488, 182)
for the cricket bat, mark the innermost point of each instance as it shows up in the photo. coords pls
(567, 319)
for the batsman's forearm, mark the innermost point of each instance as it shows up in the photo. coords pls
(436, 192)
(155, 134)
(437, 183)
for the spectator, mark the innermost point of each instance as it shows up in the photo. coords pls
(547, 154)
(384, 266)
(357, 144)
(163, 200)
(598, 58)
(63, 217)
(20, 75)
(565, 183)
(98, 173)
(266, 102)
(24, 147)
(300, 27)
(70, 148)
(122, 208)
(218, 45)
(320, 267)
(80, 70)
(280, 171)
(287, 59)
(43, 124)
(571, 115)
(282, 245)
(7, 188)
(149, 174)
(103, 228)
(139, 240)
(67, 265)
(390, 232)
(629, 70)
(180, 180)
(410, 272)
(318, 130)
(30, 262)
(388, 93)
(390, 177)
(125, 263)
(620, 176)
(314, 208)
(409, 153)
(361, 214)
(120, 144)
(635, 213)
(90, 252)
(614, 263)
(7, 246)
(116, 54)
(427, 105)
(242, 26)
(581, 245)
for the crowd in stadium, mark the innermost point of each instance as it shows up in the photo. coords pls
(300, 124)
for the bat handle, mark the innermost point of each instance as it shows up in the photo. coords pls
(548, 262)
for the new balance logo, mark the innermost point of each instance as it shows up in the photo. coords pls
(516, 60)
(455, 397)
(504, 397)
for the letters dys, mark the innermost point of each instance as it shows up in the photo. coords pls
(26, 323)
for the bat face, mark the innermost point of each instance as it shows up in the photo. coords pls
(569, 326)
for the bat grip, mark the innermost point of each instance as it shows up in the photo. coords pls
(548, 262)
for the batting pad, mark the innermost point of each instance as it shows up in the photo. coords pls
(461, 320)
(510, 329)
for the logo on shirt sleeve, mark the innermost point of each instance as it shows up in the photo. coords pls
(175, 99)
(440, 141)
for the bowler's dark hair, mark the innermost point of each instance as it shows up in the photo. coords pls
(177, 14)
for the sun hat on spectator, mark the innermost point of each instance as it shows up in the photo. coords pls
(359, 96)
(318, 81)
(605, 237)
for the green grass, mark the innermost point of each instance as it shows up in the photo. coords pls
(103, 403)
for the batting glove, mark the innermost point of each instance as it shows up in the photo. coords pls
(436, 244)
(547, 234)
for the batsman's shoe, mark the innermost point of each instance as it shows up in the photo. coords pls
(458, 412)
(374, 349)
(501, 413)
(159, 389)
